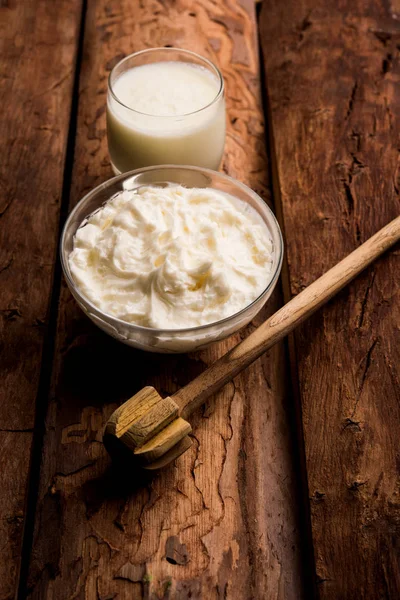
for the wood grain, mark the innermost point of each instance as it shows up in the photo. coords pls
(37, 47)
(333, 76)
(223, 521)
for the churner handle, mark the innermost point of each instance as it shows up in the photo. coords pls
(193, 395)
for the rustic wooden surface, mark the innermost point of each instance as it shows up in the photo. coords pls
(222, 522)
(333, 76)
(34, 39)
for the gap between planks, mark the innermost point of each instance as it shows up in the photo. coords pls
(49, 342)
(296, 421)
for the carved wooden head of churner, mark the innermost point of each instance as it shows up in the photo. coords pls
(148, 429)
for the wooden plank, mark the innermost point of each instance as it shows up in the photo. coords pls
(333, 83)
(223, 521)
(37, 49)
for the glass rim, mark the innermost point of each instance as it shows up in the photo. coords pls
(169, 49)
(110, 319)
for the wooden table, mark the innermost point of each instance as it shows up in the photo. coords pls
(291, 488)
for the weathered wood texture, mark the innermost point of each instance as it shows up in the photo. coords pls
(222, 522)
(37, 46)
(333, 74)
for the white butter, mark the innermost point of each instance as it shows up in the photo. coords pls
(172, 258)
(165, 114)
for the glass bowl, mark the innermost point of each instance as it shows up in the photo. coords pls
(169, 340)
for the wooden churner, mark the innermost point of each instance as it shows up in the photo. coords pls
(154, 430)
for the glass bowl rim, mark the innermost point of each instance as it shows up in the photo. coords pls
(110, 319)
(175, 49)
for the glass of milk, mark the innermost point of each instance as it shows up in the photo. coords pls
(165, 106)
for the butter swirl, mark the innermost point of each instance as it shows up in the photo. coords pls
(172, 257)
